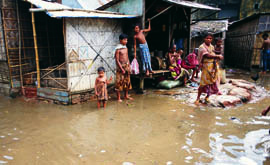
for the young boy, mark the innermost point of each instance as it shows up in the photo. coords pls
(122, 68)
(266, 53)
(219, 51)
(140, 38)
(101, 87)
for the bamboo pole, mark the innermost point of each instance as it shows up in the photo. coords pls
(7, 51)
(36, 47)
(53, 70)
(58, 82)
(20, 43)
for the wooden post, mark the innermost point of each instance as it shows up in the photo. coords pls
(169, 29)
(48, 41)
(36, 47)
(143, 17)
(189, 21)
(20, 43)
(141, 83)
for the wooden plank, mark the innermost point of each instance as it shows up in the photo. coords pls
(49, 91)
(53, 97)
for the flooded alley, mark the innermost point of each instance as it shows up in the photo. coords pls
(151, 129)
(182, 82)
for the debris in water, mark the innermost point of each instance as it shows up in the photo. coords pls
(189, 158)
(2, 137)
(2, 162)
(103, 151)
(264, 112)
(169, 163)
(245, 160)
(15, 138)
(218, 118)
(233, 118)
(127, 163)
(8, 157)
(80, 155)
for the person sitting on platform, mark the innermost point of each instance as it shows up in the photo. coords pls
(175, 65)
(191, 62)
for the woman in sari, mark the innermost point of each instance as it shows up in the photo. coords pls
(174, 58)
(210, 69)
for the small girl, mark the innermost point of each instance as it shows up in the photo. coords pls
(101, 87)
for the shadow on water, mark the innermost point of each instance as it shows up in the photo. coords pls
(149, 130)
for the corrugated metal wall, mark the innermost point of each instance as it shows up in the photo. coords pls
(239, 44)
(103, 35)
(3, 56)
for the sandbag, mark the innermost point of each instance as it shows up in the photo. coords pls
(168, 84)
(222, 74)
(134, 66)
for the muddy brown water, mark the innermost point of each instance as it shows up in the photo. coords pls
(151, 130)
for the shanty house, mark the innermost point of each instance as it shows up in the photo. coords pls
(54, 51)
(217, 27)
(244, 40)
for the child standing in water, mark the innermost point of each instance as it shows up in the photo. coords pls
(101, 87)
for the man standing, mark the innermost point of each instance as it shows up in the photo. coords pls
(266, 53)
(123, 68)
(145, 54)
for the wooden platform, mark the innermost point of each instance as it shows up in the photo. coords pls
(157, 73)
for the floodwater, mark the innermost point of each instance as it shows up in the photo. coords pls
(151, 130)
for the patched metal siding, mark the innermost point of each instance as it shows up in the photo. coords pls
(102, 35)
(130, 7)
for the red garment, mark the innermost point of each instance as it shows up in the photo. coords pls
(190, 61)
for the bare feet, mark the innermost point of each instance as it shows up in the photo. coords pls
(128, 98)
(120, 101)
(193, 80)
(206, 100)
(147, 73)
(197, 102)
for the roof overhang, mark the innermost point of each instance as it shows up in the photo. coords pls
(190, 4)
(183, 3)
(212, 26)
(57, 10)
